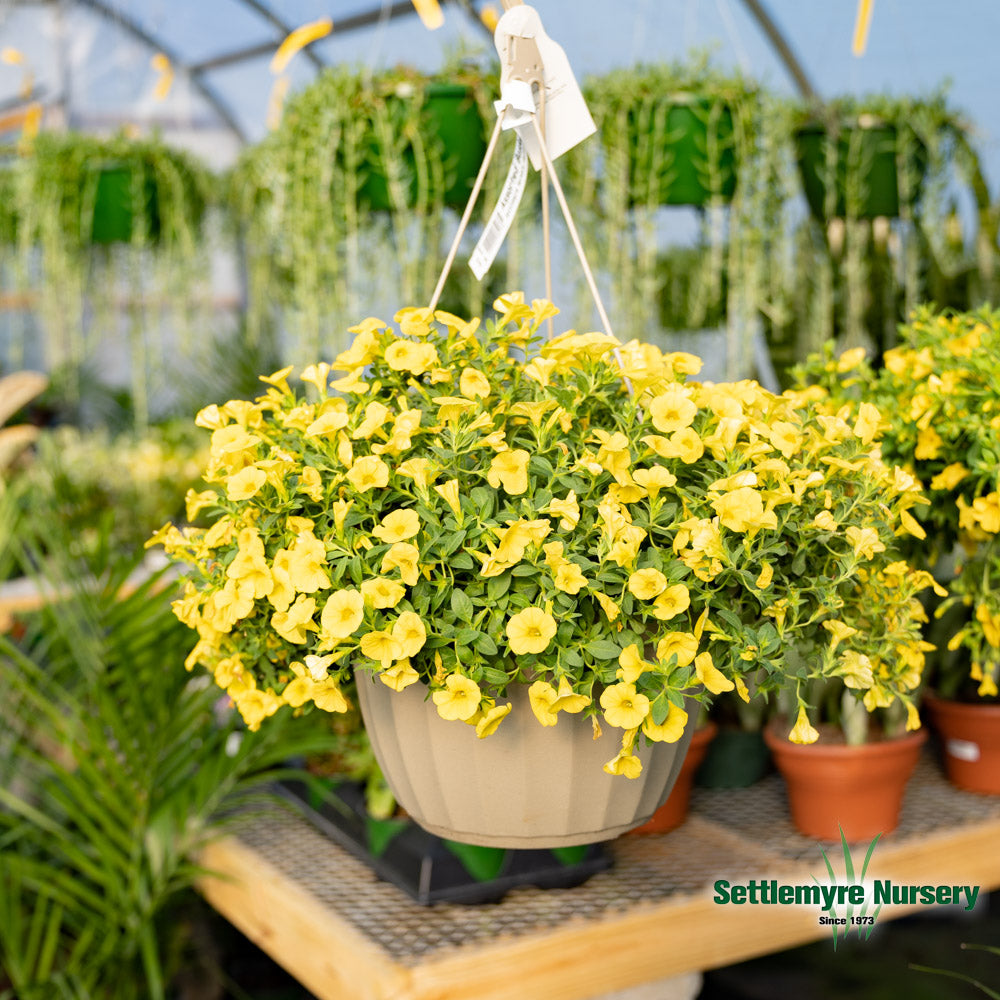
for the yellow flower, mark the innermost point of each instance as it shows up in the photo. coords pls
(530, 631)
(824, 521)
(408, 630)
(949, 477)
(342, 614)
(403, 556)
(673, 409)
(763, 581)
(710, 675)
(460, 699)
(802, 732)
(245, 484)
(418, 469)
(376, 414)
(568, 700)
(625, 763)
(867, 424)
(686, 445)
(306, 562)
(492, 718)
(839, 631)
(511, 469)
(647, 584)
(380, 645)
(250, 564)
(399, 676)
(929, 444)
(850, 360)
(673, 601)
(865, 541)
(683, 645)
(368, 473)
(911, 525)
(856, 669)
(296, 621)
(397, 526)
(623, 706)
(328, 696)
(449, 491)
(785, 436)
(569, 578)
(297, 692)
(542, 697)
(668, 731)
(473, 384)
(327, 423)
(654, 479)
(610, 608)
(633, 666)
(255, 706)
(405, 356)
(743, 509)
(382, 593)
(567, 510)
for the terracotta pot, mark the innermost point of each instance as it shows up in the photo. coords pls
(526, 786)
(834, 787)
(674, 811)
(970, 739)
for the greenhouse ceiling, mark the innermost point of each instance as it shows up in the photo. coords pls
(91, 62)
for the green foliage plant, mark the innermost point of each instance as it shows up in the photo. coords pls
(475, 508)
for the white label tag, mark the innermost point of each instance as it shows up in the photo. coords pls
(503, 215)
(567, 119)
(963, 750)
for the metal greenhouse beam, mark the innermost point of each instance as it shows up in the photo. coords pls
(781, 46)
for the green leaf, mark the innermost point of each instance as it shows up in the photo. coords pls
(485, 645)
(462, 605)
(497, 586)
(602, 649)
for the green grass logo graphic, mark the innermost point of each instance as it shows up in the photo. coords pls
(857, 917)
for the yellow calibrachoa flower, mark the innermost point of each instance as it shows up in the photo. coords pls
(623, 706)
(491, 719)
(404, 557)
(245, 484)
(405, 356)
(647, 584)
(675, 600)
(382, 593)
(568, 700)
(510, 468)
(865, 541)
(459, 699)
(683, 645)
(654, 479)
(670, 730)
(381, 646)
(530, 631)
(408, 630)
(368, 473)
(399, 676)
(743, 509)
(802, 731)
(328, 696)
(673, 409)
(449, 491)
(625, 763)
(342, 614)
(473, 384)
(567, 510)
(294, 623)
(542, 697)
(398, 526)
(633, 666)
(710, 675)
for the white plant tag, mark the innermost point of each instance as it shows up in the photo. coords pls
(963, 750)
(567, 119)
(496, 230)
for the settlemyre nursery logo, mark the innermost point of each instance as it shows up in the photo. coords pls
(851, 904)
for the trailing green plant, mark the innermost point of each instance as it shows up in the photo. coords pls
(116, 768)
(102, 222)
(349, 190)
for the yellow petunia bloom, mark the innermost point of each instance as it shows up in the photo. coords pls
(294, 623)
(567, 510)
(530, 631)
(683, 645)
(609, 607)
(625, 763)
(743, 509)
(245, 484)
(382, 593)
(473, 384)
(328, 696)
(376, 414)
(654, 479)
(342, 614)
(459, 700)
(623, 706)
(632, 665)
(949, 477)
(710, 675)
(824, 521)
(408, 630)
(646, 584)
(542, 697)
(802, 732)
(406, 356)
(368, 473)
(491, 719)
(668, 731)
(418, 469)
(569, 700)
(381, 646)
(398, 526)
(569, 578)
(399, 676)
(327, 423)
(673, 409)
(403, 556)
(865, 541)
(449, 492)
(510, 468)
(675, 600)
(867, 424)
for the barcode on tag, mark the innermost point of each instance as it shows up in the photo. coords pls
(503, 215)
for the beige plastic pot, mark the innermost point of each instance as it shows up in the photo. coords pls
(526, 786)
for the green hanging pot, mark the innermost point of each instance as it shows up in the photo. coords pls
(683, 151)
(865, 158)
(450, 124)
(117, 209)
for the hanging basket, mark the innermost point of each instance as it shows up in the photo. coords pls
(834, 787)
(866, 155)
(526, 786)
(450, 123)
(672, 151)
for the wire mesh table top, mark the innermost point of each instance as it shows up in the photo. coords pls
(736, 834)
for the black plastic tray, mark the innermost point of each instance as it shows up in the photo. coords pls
(429, 868)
